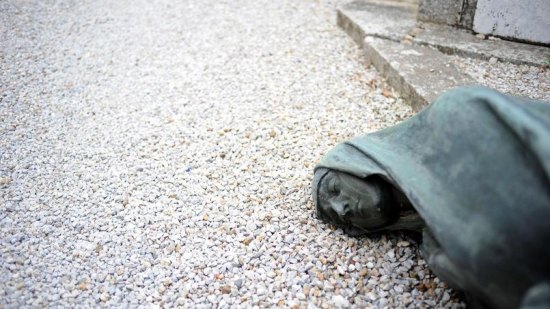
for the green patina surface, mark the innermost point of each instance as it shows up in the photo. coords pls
(475, 165)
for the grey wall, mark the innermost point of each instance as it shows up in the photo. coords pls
(440, 11)
(450, 12)
(516, 19)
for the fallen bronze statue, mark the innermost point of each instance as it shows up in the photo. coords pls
(471, 172)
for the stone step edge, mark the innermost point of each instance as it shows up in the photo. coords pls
(418, 82)
(538, 56)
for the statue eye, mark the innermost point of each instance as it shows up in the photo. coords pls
(333, 186)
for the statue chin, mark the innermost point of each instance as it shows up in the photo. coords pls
(354, 231)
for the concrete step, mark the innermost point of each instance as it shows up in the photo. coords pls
(463, 43)
(395, 20)
(419, 73)
(389, 20)
(413, 58)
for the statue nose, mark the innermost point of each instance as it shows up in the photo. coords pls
(341, 208)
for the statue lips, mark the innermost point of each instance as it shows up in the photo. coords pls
(358, 211)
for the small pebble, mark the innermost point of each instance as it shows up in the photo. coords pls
(340, 301)
(104, 297)
(226, 289)
(239, 283)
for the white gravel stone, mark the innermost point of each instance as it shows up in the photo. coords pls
(522, 80)
(340, 301)
(160, 153)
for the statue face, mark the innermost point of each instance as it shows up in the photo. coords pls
(347, 200)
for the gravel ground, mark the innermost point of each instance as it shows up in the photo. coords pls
(522, 80)
(160, 153)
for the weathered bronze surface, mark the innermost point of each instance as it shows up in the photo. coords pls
(472, 173)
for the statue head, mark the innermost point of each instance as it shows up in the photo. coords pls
(360, 205)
